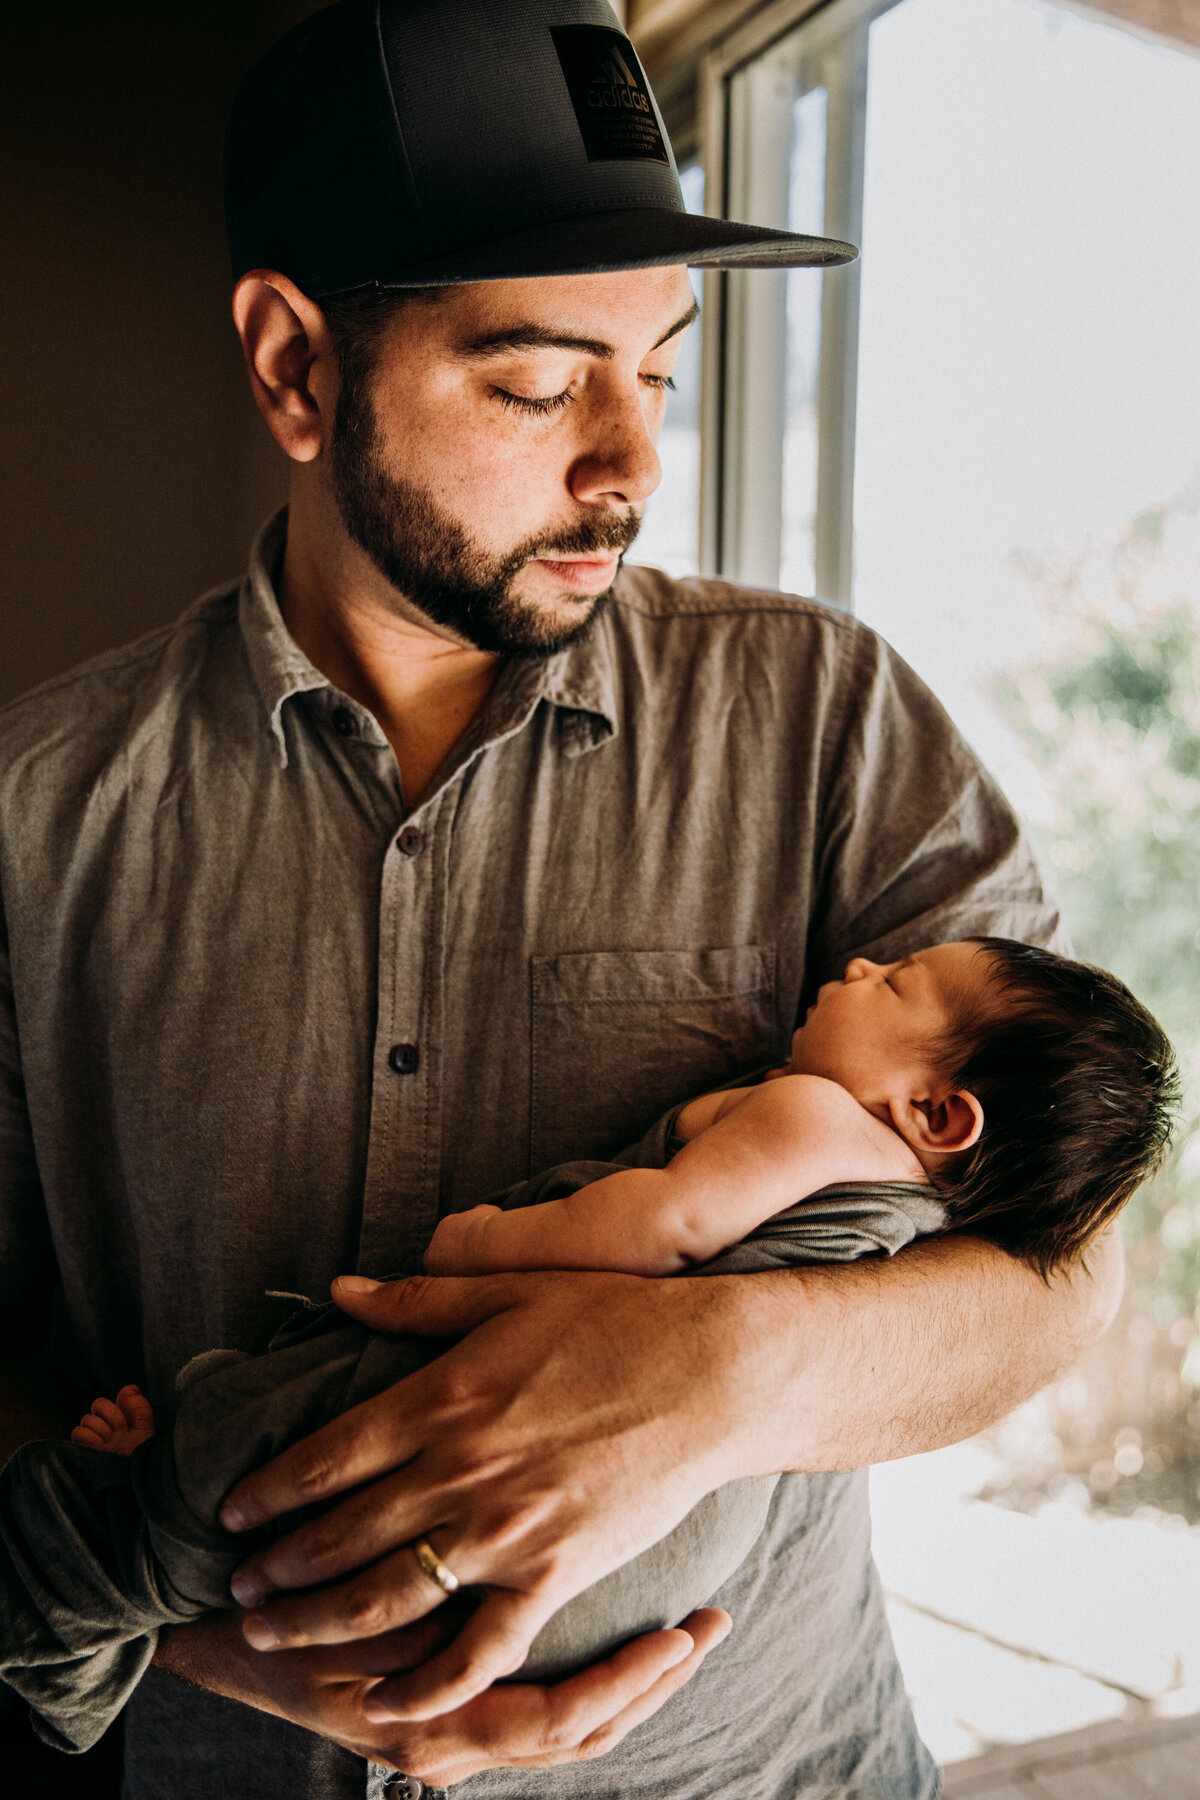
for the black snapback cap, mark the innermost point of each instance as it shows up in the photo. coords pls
(416, 143)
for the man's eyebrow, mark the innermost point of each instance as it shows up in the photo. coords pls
(681, 324)
(525, 334)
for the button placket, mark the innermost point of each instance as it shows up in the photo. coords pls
(400, 1199)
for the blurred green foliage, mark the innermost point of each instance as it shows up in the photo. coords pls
(1111, 716)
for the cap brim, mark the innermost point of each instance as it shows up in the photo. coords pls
(645, 238)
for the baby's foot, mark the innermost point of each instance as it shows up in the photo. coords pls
(119, 1425)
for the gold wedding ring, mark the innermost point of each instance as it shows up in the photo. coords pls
(433, 1566)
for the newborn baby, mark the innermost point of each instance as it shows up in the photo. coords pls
(873, 1092)
(858, 1101)
(984, 1085)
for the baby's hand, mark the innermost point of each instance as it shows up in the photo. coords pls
(456, 1247)
(119, 1425)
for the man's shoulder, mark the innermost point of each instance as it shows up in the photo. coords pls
(62, 742)
(84, 715)
(699, 634)
(646, 593)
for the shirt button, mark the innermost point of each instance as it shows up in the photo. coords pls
(404, 1058)
(343, 721)
(403, 1787)
(411, 841)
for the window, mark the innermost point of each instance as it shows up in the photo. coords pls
(786, 114)
(986, 438)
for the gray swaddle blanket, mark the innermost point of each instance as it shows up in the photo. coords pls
(98, 1551)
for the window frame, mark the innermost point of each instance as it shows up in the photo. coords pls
(743, 370)
(745, 339)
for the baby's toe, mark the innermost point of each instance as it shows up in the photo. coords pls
(109, 1411)
(92, 1433)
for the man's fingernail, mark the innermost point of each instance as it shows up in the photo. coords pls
(232, 1517)
(258, 1633)
(357, 1284)
(248, 1590)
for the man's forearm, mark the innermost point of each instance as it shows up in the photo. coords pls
(886, 1359)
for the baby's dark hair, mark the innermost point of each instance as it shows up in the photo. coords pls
(1079, 1089)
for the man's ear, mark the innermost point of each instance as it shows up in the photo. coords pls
(290, 358)
(942, 1127)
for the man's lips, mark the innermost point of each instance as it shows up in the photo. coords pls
(586, 574)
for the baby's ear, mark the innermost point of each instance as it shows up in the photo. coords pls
(944, 1127)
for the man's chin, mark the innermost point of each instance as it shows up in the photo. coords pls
(515, 623)
(549, 623)
(542, 608)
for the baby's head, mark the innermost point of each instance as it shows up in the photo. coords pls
(1036, 1091)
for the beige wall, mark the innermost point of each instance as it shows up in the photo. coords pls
(134, 464)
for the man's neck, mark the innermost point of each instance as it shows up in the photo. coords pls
(424, 688)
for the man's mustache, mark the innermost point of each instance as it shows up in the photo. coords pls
(614, 532)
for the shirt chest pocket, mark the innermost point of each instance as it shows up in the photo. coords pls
(621, 1035)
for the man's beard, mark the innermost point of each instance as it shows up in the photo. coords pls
(429, 557)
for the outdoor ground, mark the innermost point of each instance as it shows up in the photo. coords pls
(1015, 1629)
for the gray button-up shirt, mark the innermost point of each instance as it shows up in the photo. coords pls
(261, 1021)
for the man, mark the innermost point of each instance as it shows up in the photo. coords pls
(439, 851)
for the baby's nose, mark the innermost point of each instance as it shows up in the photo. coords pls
(858, 966)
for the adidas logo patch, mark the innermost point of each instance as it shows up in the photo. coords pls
(613, 85)
(609, 94)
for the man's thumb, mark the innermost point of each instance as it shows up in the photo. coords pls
(431, 1305)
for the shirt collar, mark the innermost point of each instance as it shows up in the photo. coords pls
(580, 679)
(279, 666)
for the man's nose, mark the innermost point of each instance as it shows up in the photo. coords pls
(620, 466)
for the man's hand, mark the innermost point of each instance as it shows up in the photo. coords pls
(575, 1426)
(517, 1726)
(585, 1414)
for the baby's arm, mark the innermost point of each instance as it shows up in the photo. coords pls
(780, 1143)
